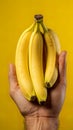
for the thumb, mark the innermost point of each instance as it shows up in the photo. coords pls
(62, 65)
(12, 77)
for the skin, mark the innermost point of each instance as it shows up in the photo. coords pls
(46, 115)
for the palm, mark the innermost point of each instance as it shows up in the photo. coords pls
(55, 97)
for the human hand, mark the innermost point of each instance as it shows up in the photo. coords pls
(56, 95)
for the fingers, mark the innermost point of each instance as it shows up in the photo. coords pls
(62, 66)
(12, 78)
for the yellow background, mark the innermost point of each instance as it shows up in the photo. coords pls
(15, 16)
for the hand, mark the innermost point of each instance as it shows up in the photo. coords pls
(55, 99)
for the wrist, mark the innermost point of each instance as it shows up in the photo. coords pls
(41, 123)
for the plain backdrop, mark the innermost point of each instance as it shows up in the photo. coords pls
(15, 17)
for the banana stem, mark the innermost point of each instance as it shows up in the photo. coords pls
(38, 18)
(37, 28)
(44, 27)
(32, 26)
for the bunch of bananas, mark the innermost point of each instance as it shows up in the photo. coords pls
(36, 60)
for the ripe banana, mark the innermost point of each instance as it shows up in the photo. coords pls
(58, 50)
(36, 64)
(36, 60)
(56, 41)
(51, 56)
(21, 62)
(54, 77)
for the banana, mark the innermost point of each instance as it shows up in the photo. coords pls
(51, 56)
(21, 62)
(56, 41)
(54, 77)
(36, 64)
(58, 51)
(36, 60)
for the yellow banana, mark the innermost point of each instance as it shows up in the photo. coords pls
(56, 41)
(58, 50)
(21, 62)
(54, 77)
(51, 56)
(36, 60)
(36, 64)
